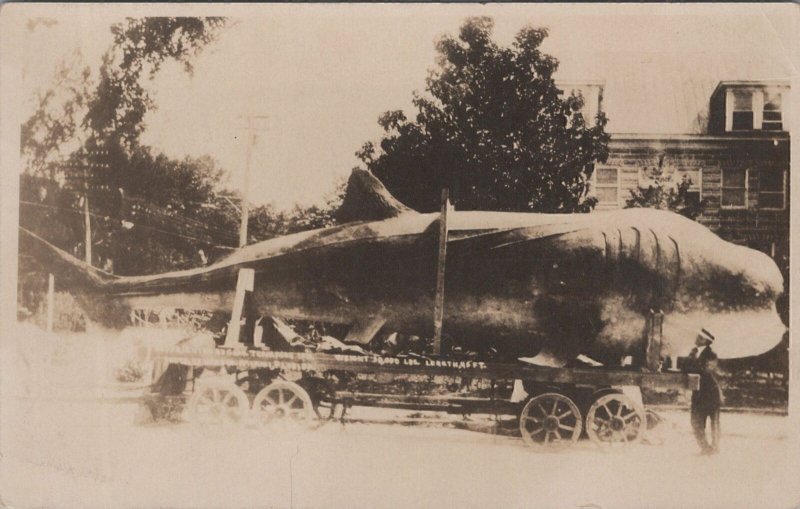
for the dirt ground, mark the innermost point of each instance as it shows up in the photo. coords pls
(69, 438)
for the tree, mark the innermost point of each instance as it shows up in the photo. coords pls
(53, 131)
(494, 127)
(662, 191)
(265, 222)
(150, 213)
(82, 121)
(82, 112)
(141, 45)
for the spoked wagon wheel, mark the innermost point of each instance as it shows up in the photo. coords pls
(654, 435)
(218, 403)
(282, 404)
(615, 420)
(550, 421)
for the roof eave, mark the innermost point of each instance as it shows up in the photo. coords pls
(751, 83)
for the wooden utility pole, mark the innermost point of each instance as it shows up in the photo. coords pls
(438, 304)
(252, 134)
(87, 226)
(86, 175)
(251, 140)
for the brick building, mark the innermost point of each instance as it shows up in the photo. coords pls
(729, 137)
(731, 141)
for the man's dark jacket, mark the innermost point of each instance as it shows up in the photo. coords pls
(709, 396)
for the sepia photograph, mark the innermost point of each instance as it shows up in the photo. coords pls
(397, 256)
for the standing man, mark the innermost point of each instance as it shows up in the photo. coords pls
(706, 401)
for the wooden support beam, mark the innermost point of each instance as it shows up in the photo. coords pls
(438, 307)
(655, 329)
(245, 283)
(258, 335)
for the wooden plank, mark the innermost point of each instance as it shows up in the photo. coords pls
(502, 407)
(437, 398)
(654, 337)
(451, 403)
(244, 284)
(304, 361)
(438, 308)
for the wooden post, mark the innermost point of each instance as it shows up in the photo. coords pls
(438, 304)
(655, 330)
(244, 284)
(51, 301)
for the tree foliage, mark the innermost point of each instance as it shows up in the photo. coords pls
(81, 111)
(54, 129)
(150, 213)
(266, 222)
(662, 190)
(87, 126)
(494, 127)
(141, 46)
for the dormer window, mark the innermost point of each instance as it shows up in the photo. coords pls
(751, 106)
(742, 115)
(772, 119)
(757, 109)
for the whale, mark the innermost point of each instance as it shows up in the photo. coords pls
(522, 284)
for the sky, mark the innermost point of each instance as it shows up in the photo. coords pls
(323, 74)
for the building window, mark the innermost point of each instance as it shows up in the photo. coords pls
(607, 186)
(772, 189)
(695, 191)
(773, 111)
(742, 110)
(756, 108)
(734, 188)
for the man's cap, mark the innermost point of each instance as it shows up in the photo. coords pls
(707, 335)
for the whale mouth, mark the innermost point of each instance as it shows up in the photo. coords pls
(743, 333)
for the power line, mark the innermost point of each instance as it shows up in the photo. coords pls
(164, 215)
(139, 206)
(139, 225)
(161, 215)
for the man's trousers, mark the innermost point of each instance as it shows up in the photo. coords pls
(700, 416)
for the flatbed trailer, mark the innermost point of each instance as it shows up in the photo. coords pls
(269, 387)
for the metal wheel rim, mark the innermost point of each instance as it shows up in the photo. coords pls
(615, 420)
(282, 403)
(219, 404)
(550, 421)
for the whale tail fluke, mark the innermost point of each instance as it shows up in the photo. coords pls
(78, 274)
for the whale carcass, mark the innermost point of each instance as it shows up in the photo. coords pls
(520, 283)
